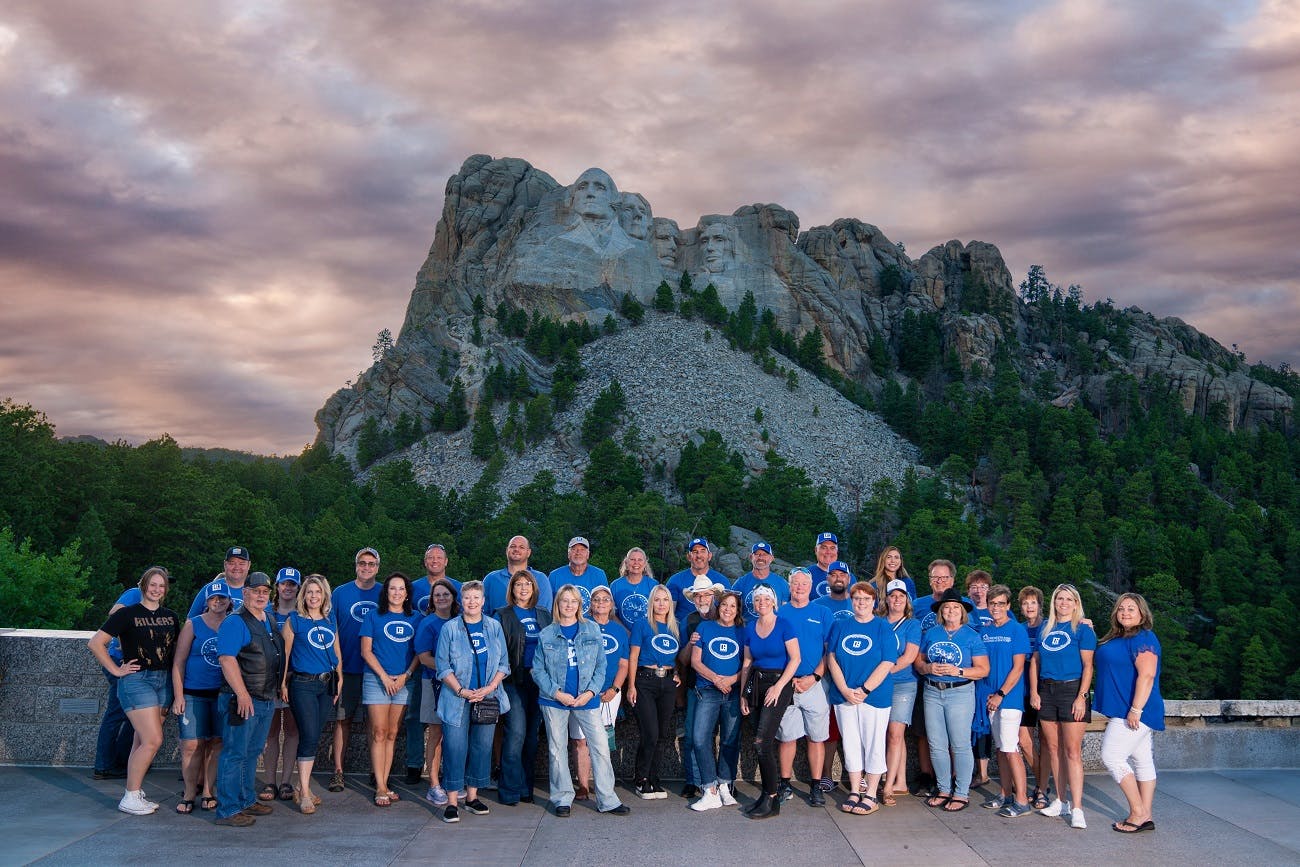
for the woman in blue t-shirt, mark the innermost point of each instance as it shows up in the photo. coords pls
(313, 679)
(443, 607)
(907, 639)
(771, 658)
(1060, 673)
(196, 680)
(521, 622)
(653, 691)
(1128, 691)
(716, 657)
(952, 658)
(388, 650)
(1031, 614)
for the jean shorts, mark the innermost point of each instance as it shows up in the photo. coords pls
(373, 692)
(143, 689)
(900, 711)
(199, 722)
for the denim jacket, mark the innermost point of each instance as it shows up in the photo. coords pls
(454, 655)
(551, 661)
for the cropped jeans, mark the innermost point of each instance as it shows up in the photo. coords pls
(715, 710)
(312, 704)
(948, 716)
(466, 752)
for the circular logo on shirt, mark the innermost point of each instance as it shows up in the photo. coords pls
(633, 608)
(822, 589)
(585, 595)
(749, 605)
(399, 631)
(856, 645)
(209, 652)
(843, 613)
(944, 651)
(610, 643)
(665, 643)
(928, 621)
(320, 637)
(724, 648)
(1055, 640)
(359, 610)
(422, 604)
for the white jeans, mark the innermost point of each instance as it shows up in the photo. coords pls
(862, 732)
(1120, 744)
(1005, 723)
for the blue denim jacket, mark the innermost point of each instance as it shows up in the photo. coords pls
(551, 662)
(455, 656)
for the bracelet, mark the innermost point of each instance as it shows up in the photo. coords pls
(1136, 710)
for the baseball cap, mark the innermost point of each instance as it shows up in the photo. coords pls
(826, 537)
(895, 585)
(237, 552)
(839, 566)
(761, 546)
(288, 573)
(218, 587)
(580, 540)
(371, 551)
(698, 540)
(257, 579)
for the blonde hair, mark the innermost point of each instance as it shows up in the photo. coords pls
(1078, 608)
(661, 590)
(622, 568)
(555, 603)
(314, 580)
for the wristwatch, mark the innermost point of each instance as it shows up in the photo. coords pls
(817, 677)
(961, 672)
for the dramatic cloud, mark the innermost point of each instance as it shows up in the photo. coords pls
(208, 210)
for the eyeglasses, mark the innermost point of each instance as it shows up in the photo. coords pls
(367, 564)
(999, 604)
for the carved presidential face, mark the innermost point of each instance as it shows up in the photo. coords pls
(719, 248)
(665, 242)
(593, 194)
(634, 215)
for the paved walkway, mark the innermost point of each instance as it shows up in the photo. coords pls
(61, 816)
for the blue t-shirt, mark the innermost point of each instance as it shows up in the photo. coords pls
(280, 618)
(617, 641)
(426, 641)
(591, 578)
(203, 665)
(1060, 651)
(313, 643)
(927, 618)
(980, 619)
(570, 634)
(1035, 633)
(839, 608)
(859, 649)
(478, 641)
(1003, 643)
(528, 620)
(769, 652)
(234, 634)
(658, 645)
(421, 588)
(720, 649)
(631, 601)
(906, 631)
(812, 626)
(960, 650)
(747, 583)
(351, 606)
(392, 639)
(200, 602)
(679, 582)
(1116, 662)
(495, 585)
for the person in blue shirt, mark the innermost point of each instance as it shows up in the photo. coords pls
(826, 550)
(615, 640)
(196, 681)
(388, 649)
(632, 589)
(522, 619)
(890, 568)
(495, 584)
(1003, 694)
(907, 640)
(579, 572)
(234, 571)
(699, 555)
(941, 574)
(443, 607)
(716, 654)
(760, 558)
(1128, 692)
(435, 570)
(978, 583)
(809, 714)
(771, 659)
(861, 658)
(952, 657)
(653, 691)
(1031, 611)
(353, 601)
(313, 677)
(278, 762)
(1060, 673)
(835, 600)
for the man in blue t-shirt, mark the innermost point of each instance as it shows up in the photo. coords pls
(351, 603)
(809, 713)
(826, 550)
(495, 584)
(579, 572)
(699, 555)
(435, 569)
(761, 575)
(234, 571)
(1003, 691)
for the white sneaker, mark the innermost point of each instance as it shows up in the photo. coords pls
(135, 804)
(148, 803)
(1076, 818)
(1053, 809)
(724, 793)
(710, 800)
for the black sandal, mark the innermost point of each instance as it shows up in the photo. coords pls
(286, 792)
(208, 802)
(187, 805)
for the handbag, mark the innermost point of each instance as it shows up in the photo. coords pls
(487, 711)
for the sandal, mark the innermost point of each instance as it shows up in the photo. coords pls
(267, 793)
(889, 800)
(1039, 800)
(336, 782)
(851, 803)
(185, 807)
(207, 802)
(286, 792)
(1127, 827)
(955, 805)
(307, 806)
(937, 801)
(382, 800)
(863, 809)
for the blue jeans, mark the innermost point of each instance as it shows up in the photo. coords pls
(519, 746)
(689, 766)
(312, 705)
(242, 745)
(116, 735)
(466, 753)
(557, 739)
(711, 709)
(415, 728)
(948, 716)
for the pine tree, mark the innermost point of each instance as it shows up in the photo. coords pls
(483, 438)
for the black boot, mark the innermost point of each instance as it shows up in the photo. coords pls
(758, 802)
(765, 807)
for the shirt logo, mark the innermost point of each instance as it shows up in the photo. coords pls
(665, 643)
(633, 608)
(422, 604)
(399, 631)
(944, 651)
(477, 642)
(723, 648)
(1055, 640)
(843, 613)
(320, 637)
(530, 625)
(359, 610)
(822, 589)
(209, 652)
(928, 621)
(856, 645)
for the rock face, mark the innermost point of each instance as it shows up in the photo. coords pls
(510, 232)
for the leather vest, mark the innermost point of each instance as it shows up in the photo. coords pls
(261, 660)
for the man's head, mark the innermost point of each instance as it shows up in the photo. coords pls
(942, 573)
(579, 554)
(978, 583)
(698, 554)
(837, 577)
(718, 241)
(435, 561)
(236, 564)
(367, 566)
(257, 592)
(800, 586)
(761, 557)
(634, 215)
(593, 195)
(518, 550)
(827, 549)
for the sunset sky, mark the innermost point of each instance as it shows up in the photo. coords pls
(208, 209)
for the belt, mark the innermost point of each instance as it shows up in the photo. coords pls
(655, 670)
(298, 675)
(769, 673)
(1049, 680)
(943, 684)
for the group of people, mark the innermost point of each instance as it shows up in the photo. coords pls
(476, 670)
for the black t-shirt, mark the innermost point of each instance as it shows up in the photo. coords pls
(148, 637)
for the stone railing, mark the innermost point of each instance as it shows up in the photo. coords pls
(52, 693)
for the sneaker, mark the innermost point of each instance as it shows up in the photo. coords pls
(784, 791)
(336, 782)
(563, 812)
(1053, 809)
(239, 820)
(148, 803)
(1076, 818)
(724, 792)
(477, 807)
(825, 784)
(135, 804)
(437, 796)
(645, 791)
(413, 776)
(1015, 811)
(710, 800)
(690, 790)
(620, 810)
(816, 797)
(450, 815)
(996, 803)
(659, 792)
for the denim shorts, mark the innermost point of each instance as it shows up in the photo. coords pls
(373, 692)
(900, 711)
(144, 689)
(199, 722)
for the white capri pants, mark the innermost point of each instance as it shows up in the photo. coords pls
(1005, 723)
(862, 732)
(608, 715)
(1121, 744)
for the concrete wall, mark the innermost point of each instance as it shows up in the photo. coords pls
(52, 693)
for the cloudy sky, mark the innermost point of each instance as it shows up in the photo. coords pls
(208, 209)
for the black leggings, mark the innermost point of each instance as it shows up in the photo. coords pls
(769, 720)
(655, 699)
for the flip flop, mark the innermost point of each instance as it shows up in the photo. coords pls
(955, 805)
(267, 793)
(889, 800)
(185, 807)
(382, 800)
(207, 802)
(936, 801)
(1129, 828)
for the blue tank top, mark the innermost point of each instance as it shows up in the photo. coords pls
(203, 666)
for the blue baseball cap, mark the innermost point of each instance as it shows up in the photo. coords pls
(698, 540)
(839, 566)
(761, 546)
(218, 587)
(288, 573)
(826, 537)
